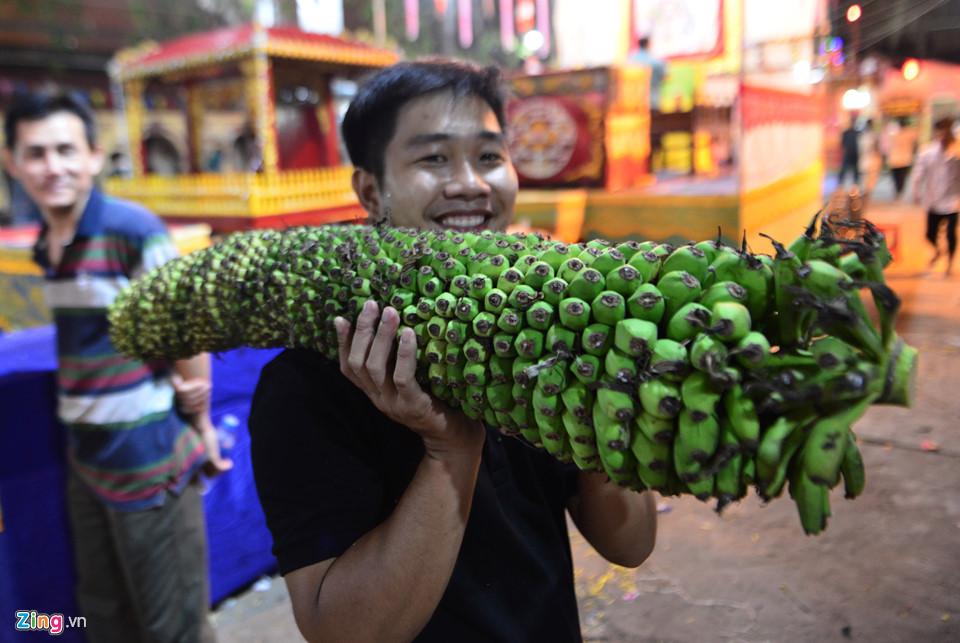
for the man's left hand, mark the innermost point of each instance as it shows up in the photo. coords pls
(193, 395)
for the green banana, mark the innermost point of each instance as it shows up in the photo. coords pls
(660, 398)
(677, 288)
(743, 417)
(688, 322)
(699, 393)
(669, 360)
(635, 337)
(824, 449)
(653, 459)
(647, 303)
(852, 469)
(688, 259)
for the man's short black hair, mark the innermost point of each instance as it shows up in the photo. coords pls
(36, 106)
(944, 123)
(371, 119)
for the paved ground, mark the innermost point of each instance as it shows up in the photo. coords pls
(886, 569)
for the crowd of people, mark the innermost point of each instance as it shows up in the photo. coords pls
(929, 176)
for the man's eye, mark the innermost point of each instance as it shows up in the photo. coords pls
(491, 157)
(433, 158)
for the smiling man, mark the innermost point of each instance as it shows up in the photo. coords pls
(136, 514)
(395, 517)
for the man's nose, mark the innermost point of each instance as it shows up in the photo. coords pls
(467, 182)
(54, 162)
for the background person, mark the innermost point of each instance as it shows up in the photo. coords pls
(936, 186)
(903, 147)
(135, 508)
(393, 516)
(850, 153)
(871, 159)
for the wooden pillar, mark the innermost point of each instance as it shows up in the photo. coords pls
(327, 117)
(195, 108)
(258, 80)
(133, 108)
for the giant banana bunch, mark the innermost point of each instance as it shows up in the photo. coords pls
(701, 369)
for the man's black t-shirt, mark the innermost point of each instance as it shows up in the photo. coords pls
(330, 467)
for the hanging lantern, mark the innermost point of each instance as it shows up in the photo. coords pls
(411, 19)
(507, 34)
(465, 22)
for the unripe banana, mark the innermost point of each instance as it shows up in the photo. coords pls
(635, 337)
(678, 288)
(742, 413)
(689, 259)
(852, 469)
(646, 303)
(647, 265)
(688, 322)
(730, 321)
(669, 360)
(660, 398)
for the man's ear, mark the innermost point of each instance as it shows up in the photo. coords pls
(6, 156)
(367, 189)
(97, 160)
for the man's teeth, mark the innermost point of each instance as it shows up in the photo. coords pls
(463, 221)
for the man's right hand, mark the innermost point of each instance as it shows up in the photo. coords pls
(365, 359)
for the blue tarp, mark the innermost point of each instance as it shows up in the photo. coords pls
(36, 565)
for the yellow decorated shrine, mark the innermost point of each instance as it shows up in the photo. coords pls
(271, 96)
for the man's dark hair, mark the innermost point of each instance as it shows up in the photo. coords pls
(944, 123)
(371, 119)
(643, 42)
(36, 106)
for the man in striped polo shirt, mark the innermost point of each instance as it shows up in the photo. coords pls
(135, 510)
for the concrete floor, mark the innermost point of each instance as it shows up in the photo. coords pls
(886, 569)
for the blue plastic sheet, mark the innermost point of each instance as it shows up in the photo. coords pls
(36, 564)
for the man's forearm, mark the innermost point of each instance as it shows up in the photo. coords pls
(387, 585)
(195, 367)
(619, 523)
(194, 399)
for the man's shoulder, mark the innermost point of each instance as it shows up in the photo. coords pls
(303, 377)
(929, 152)
(129, 219)
(300, 364)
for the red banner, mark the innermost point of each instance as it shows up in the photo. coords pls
(763, 106)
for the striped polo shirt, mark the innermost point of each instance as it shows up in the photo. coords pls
(126, 440)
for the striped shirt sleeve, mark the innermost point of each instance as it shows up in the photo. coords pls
(158, 249)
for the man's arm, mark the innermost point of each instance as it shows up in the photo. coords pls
(388, 584)
(619, 523)
(192, 383)
(918, 178)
